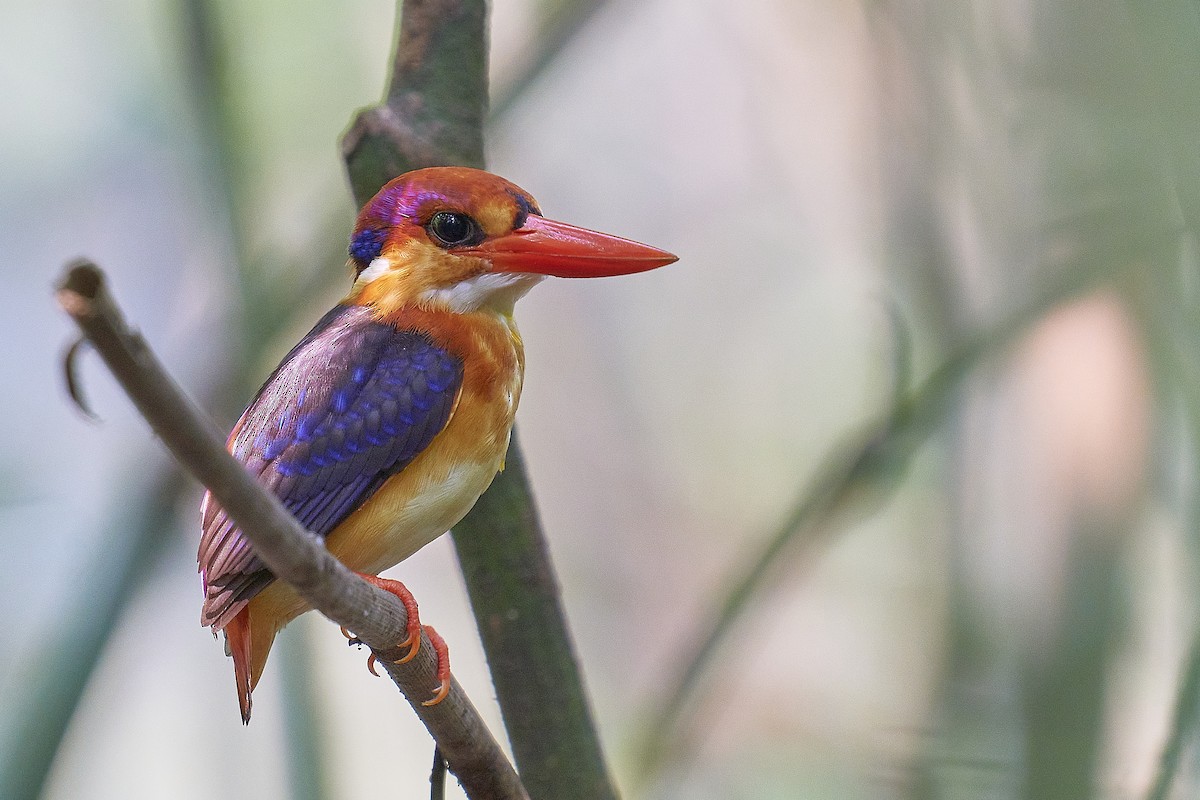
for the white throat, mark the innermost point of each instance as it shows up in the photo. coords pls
(496, 290)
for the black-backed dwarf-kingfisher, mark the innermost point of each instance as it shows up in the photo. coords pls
(385, 424)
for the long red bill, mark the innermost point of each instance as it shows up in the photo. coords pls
(546, 247)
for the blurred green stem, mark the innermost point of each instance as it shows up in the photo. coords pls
(1168, 319)
(1184, 721)
(1064, 686)
(308, 774)
(35, 721)
(38, 721)
(262, 310)
(561, 23)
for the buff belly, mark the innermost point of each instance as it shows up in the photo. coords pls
(401, 519)
(409, 511)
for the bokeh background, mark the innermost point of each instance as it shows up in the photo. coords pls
(961, 232)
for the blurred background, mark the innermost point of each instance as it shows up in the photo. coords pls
(929, 358)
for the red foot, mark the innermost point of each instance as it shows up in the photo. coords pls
(413, 640)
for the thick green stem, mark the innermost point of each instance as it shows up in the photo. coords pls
(37, 718)
(433, 114)
(436, 100)
(515, 596)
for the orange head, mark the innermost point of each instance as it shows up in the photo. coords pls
(466, 239)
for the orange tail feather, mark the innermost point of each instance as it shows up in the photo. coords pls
(248, 638)
(237, 637)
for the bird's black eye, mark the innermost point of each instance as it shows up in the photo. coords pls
(454, 229)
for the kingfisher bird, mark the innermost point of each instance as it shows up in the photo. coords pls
(385, 424)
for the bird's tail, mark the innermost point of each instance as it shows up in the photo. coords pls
(237, 638)
(248, 638)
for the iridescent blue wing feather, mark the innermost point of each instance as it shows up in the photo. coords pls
(351, 405)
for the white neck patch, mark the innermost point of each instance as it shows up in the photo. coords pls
(375, 269)
(497, 290)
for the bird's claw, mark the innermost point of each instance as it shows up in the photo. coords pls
(413, 640)
(351, 639)
(443, 666)
(413, 645)
(401, 592)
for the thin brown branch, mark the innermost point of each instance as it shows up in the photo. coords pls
(293, 554)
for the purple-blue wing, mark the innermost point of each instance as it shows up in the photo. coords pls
(348, 407)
